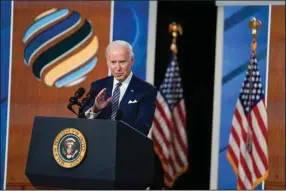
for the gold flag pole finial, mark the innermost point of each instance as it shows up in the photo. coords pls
(254, 24)
(175, 29)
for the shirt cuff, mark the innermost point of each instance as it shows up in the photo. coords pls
(91, 115)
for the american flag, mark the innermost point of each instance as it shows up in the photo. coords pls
(168, 130)
(248, 142)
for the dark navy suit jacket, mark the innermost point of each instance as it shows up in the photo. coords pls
(138, 115)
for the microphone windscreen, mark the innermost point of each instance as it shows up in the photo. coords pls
(79, 93)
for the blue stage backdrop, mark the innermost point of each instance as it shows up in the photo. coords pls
(5, 47)
(131, 24)
(236, 54)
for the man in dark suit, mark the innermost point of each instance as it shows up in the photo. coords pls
(125, 97)
(122, 96)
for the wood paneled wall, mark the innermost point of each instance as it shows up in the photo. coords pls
(276, 100)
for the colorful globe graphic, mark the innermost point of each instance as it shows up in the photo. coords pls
(60, 47)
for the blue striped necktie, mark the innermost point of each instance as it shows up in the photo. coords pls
(115, 100)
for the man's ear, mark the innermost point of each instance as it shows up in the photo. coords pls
(132, 60)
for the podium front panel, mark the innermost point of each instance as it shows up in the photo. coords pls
(96, 170)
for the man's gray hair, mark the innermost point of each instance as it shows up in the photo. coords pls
(120, 43)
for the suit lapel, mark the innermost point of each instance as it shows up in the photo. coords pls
(109, 88)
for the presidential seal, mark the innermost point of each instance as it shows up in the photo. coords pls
(69, 148)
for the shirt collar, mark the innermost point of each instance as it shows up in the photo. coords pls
(126, 81)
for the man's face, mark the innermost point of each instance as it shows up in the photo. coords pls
(119, 63)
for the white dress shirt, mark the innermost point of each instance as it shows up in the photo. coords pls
(123, 88)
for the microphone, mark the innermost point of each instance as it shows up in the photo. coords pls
(79, 93)
(74, 100)
(85, 101)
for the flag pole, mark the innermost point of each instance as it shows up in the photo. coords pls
(175, 29)
(254, 24)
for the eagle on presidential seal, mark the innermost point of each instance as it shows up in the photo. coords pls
(70, 148)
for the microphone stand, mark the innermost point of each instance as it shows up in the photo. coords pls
(85, 101)
(74, 101)
(71, 109)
